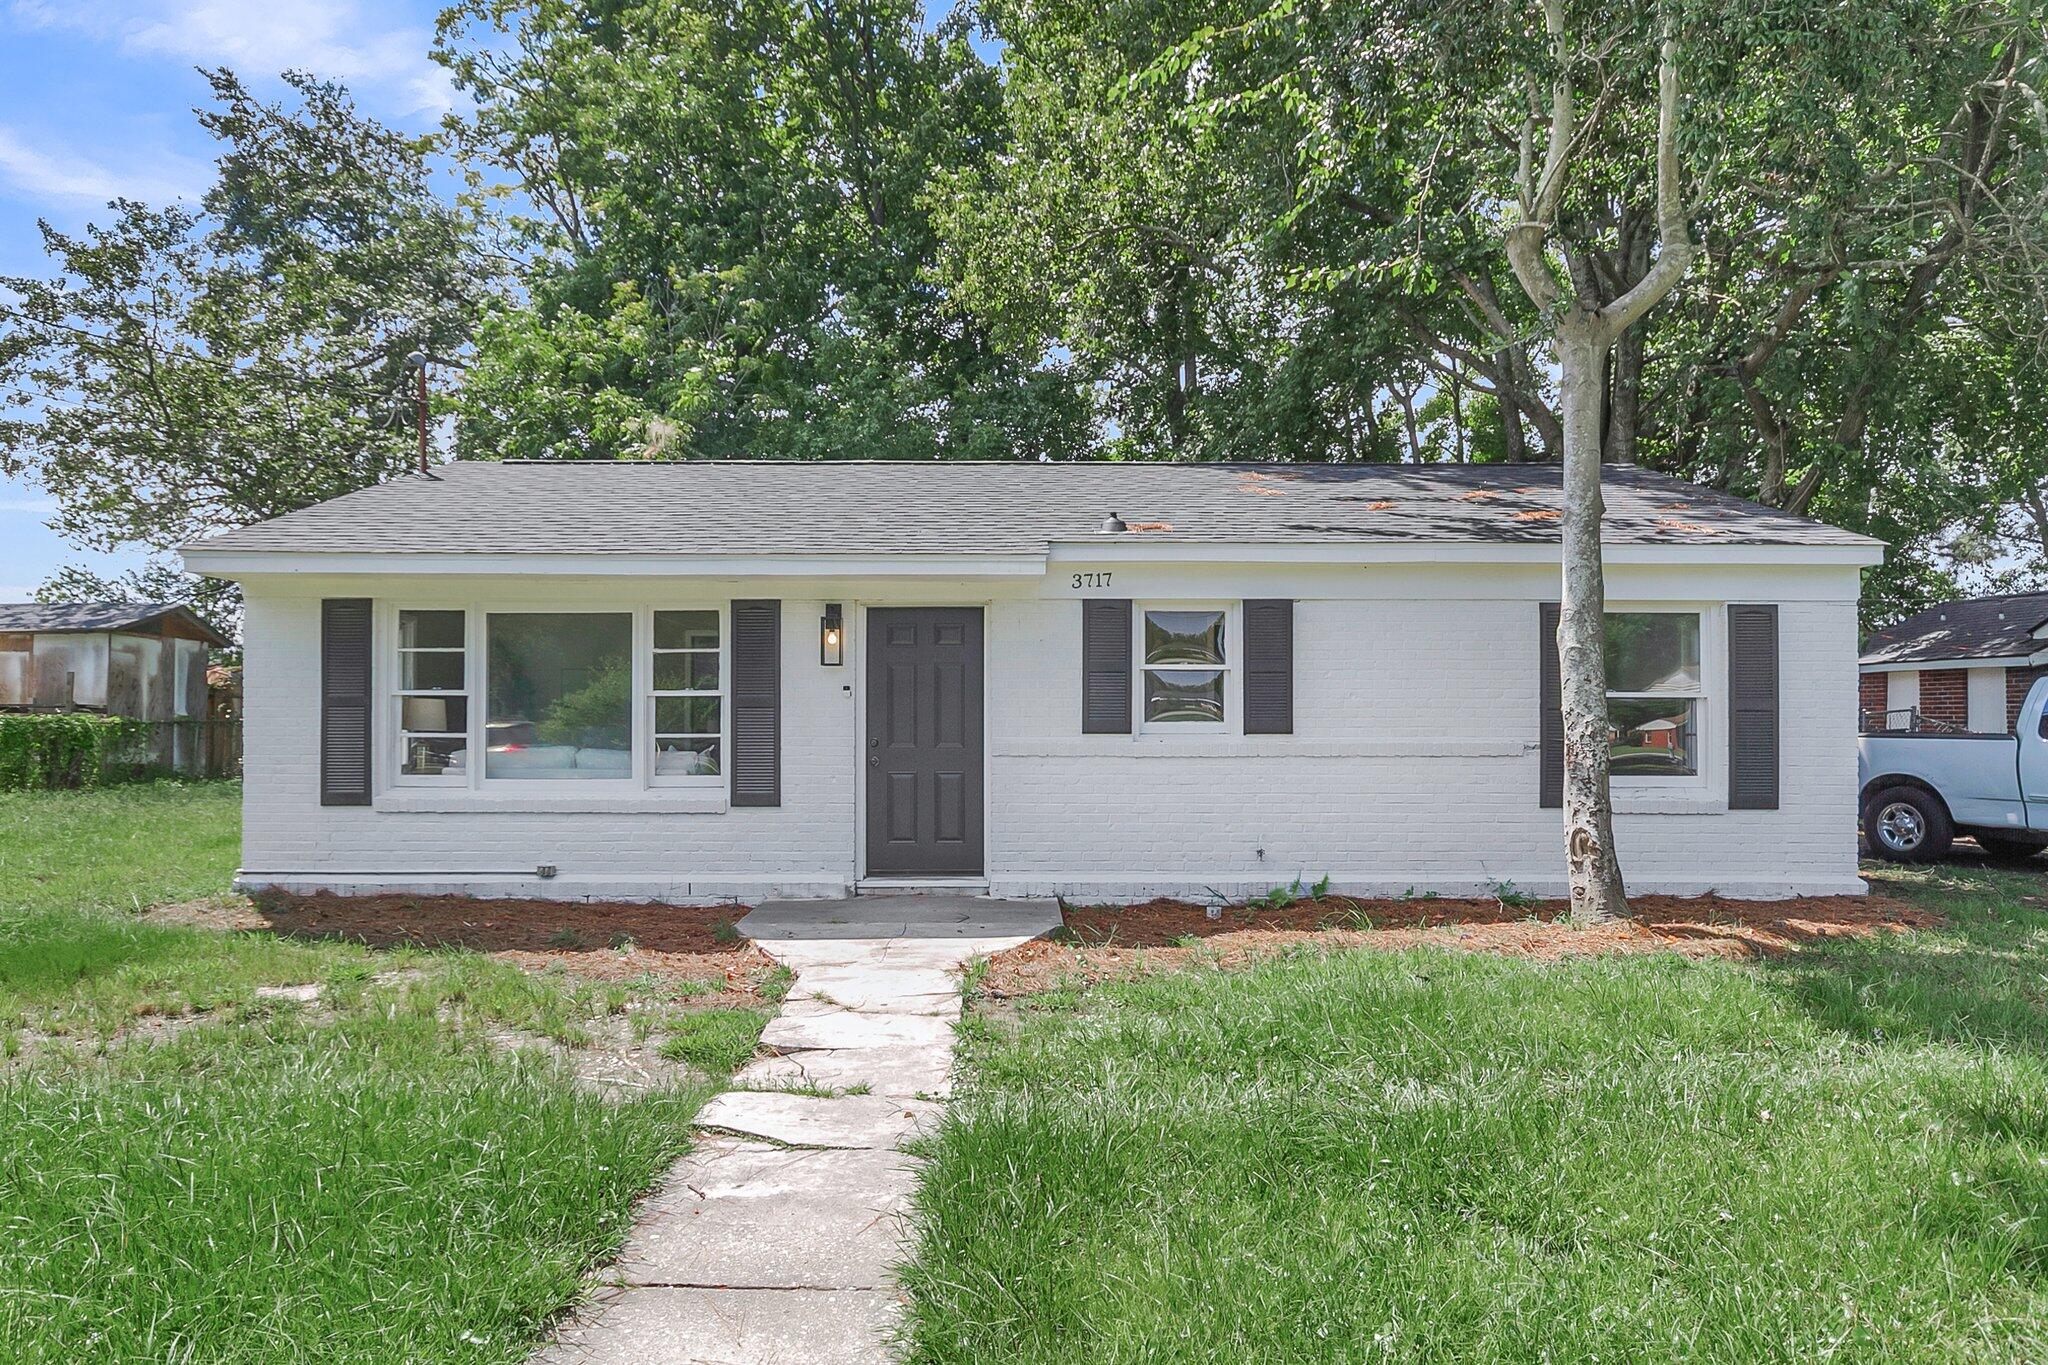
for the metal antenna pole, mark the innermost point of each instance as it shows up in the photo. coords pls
(418, 361)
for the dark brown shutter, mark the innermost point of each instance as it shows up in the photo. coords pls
(1269, 666)
(345, 701)
(1550, 717)
(757, 703)
(1752, 706)
(1106, 666)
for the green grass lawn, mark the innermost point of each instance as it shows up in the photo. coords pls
(1434, 1156)
(192, 1172)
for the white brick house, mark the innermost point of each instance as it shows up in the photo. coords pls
(682, 681)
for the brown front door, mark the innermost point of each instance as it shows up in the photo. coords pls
(924, 741)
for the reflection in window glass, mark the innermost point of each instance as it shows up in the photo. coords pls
(433, 703)
(1184, 695)
(688, 704)
(1653, 689)
(560, 704)
(1652, 736)
(1184, 637)
(1653, 651)
(1185, 663)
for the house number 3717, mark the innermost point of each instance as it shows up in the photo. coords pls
(1091, 580)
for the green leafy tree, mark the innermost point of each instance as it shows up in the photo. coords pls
(1162, 257)
(1525, 187)
(187, 371)
(727, 221)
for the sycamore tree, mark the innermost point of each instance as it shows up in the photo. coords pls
(184, 370)
(1512, 170)
(1586, 313)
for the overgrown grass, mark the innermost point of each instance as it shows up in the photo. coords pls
(1454, 1157)
(715, 1040)
(364, 1178)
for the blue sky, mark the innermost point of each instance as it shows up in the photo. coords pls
(96, 101)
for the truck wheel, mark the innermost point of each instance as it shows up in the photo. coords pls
(1906, 825)
(2004, 849)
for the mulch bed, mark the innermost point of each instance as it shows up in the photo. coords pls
(599, 940)
(1102, 942)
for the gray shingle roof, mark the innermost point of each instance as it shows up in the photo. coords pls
(959, 507)
(75, 617)
(1974, 628)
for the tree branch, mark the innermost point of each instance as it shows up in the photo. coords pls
(1675, 249)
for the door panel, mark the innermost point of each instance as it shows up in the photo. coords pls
(924, 740)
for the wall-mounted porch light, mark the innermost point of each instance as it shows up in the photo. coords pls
(831, 636)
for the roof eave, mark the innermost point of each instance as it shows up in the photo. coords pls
(230, 563)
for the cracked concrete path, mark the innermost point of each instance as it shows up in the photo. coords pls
(774, 1241)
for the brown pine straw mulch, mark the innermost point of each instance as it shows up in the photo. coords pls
(1103, 942)
(598, 940)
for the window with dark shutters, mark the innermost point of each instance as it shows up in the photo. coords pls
(1550, 709)
(1752, 706)
(757, 703)
(1106, 666)
(345, 701)
(1269, 666)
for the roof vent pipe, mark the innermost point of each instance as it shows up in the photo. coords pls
(1113, 523)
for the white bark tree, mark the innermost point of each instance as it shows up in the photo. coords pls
(1584, 329)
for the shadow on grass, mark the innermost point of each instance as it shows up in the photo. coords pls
(1982, 978)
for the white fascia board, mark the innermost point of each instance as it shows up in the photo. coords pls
(243, 564)
(1448, 551)
(1922, 665)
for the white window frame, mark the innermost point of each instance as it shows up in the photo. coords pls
(399, 692)
(1233, 671)
(652, 696)
(636, 776)
(1706, 700)
(476, 676)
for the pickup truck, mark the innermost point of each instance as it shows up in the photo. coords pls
(1922, 788)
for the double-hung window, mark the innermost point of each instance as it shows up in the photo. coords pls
(433, 695)
(1654, 697)
(688, 699)
(1184, 669)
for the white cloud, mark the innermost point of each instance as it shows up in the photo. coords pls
(40, 507)
(48, 172)
(373, 54)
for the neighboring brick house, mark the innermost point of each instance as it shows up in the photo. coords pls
(1966, 664)
(693, 679)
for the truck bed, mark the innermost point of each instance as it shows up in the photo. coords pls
(1977, 774)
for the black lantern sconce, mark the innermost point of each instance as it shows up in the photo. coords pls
(831, 637)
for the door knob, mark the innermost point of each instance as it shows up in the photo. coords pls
(874, 760)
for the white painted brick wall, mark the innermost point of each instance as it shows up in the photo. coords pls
(1413, 764)
(803, 847)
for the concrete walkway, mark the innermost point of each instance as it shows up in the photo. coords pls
(774, 1240)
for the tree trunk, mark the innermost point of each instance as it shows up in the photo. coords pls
(1590, 862)
(1624, 397)
(1516, 439)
